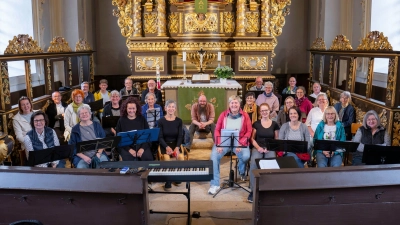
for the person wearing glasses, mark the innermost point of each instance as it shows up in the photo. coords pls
(88, 97)
(269, 98)
(372, 133)
(41, 137)
(346, 113)
(21, 120)
(262, 129)
(55, 112)
(330, 128)
(302, 101)
(128, 89)
(112, 109)
(316, 114)
(71, 117)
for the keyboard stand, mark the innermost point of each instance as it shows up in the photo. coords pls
(187, 194)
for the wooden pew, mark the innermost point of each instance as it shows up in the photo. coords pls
(72, 196)
(343, 195)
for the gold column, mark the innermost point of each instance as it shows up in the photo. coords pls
(241, 15)
(28, 80)
(5, 94)
(264, 18)
(137, 18)
(161, 18)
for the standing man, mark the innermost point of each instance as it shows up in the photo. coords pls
(128, 89)
(259, 85)
(291, 89)
(55, 112)
(203, 115)
(151, 88)
(89, 97)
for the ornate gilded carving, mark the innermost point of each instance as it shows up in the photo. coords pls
(318, 44)
(171, 2)
(149, 6)
(59, 44)
(391, 80)
(311, 72)
(253, 63)
(279, 9)
(383, 117)
(265, 18)
(80, 69)
(369, 76)
(148, 46)
(229, 22)
(396, 130)
(240, 17)
(150, 23)
(195, 46)
(341, 43)
(221, 22)
(161, 20)
(194, 58)
(351, 74)
(321, 64)
(124, 13)
(137, 18)
(173, 22)
(28, 79)
(253, 5)
(48, 66)
(359, 114)
(70, 71)
(201, 22)
(180, 23)
(375, 40)
(82, 45)
(260, 46)
(5, 86)
(91, 72)
(330, 69)
(252, 19)
(22, 44)
(149, 63)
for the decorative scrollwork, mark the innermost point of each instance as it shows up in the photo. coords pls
(265, 18)
(359, 114)
(161, 20)
(150, 23)
(279, 9)
(351, 74)
(229, 22)
(70, 70)
(391, 80)
(5, 85)
(369, 75)
(149, 63)
(22, 44)
(82, 45)
(253, 63)
(375, 40)
(341, 43)
(194, 46)
(396, 130)
(173, 22)
(311, 72)
(148, 46)
(48, 66)
(240, 17)
(202, 22)
(266, 46)
(330, 69)
(318, 44)
(252, 19)
(59, 44)
(194, 58)
(124, 14)
(383, 117)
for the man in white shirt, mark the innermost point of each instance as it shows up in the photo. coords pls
(259, 85)
(55, 112)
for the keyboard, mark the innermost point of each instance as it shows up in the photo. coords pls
(162, 171)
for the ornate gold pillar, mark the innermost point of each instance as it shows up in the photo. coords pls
(137, 18)
(264, 18)
(240, 15)
(5, 94)
(161, 18)
(28, 80)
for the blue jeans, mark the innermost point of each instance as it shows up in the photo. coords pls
(296, 158)
(83, 165)
(357, 159)
(61, 163)
(243, 156)
(322, 160)
(257, 155)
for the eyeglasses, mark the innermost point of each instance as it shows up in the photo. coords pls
(330, 114)
(371, 120)
(264, 111)
(38, 121)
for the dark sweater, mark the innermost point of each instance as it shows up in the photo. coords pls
(139, 123)
(170, 131)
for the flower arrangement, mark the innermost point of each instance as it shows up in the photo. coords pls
(224, 72)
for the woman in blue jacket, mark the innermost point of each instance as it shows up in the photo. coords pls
(330, 128)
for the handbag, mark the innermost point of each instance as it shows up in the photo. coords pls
(302, 156)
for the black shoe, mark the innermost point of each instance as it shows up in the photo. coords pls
(250, 198)
(177, 183)
(167, 186)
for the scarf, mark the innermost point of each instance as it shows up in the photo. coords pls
(288, 90)
(234, 116)
(267, 95)
(299, 101)
(251, 109)
(75, 108)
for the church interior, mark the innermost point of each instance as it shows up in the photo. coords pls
(296, 75)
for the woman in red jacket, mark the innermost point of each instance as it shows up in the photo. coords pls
(233, 119)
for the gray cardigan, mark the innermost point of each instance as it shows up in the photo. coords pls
(284, 133)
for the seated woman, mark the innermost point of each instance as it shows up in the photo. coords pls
(316, 114)
(41, 137)
(150, 105)
(132, 119)
(21, 120)
(295, 130)
(251, 107)
(302, 101)
(112, 109)
(71, 118)
(234, 118)
(170, 135)
(330, 128)
(262, 129)
(346, 113)
(87, 130)
(372, 133)
(283, 114)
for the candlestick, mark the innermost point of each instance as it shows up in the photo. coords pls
(184, 56)
(219, 57)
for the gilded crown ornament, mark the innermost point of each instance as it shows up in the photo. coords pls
(59, 44)
(22, 44)
(375, 40)
(341, 43)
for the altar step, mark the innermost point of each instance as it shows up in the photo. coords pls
(202, 142)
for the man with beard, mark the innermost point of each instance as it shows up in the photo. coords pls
(203, 115)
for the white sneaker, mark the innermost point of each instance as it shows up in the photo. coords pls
(213, 189)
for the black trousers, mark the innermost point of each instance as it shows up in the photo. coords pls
(126, 156)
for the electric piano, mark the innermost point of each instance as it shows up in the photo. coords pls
(163, 171)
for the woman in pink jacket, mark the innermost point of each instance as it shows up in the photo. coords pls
(233, 119)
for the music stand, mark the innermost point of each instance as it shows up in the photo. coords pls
(109, 121)
(153, 115)
(96, 105)
(286, 146)
(137, 137)
(50, 154)
(102, 143)
(283, 162)
(332, 145)
(377, 154)
(230, 139)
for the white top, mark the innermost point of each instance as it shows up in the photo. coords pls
(315, 96)
(230, 84)
(329, 132)
(314, 117)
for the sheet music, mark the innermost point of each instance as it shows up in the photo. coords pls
(226, 137)
(153, 115)
(269, 164)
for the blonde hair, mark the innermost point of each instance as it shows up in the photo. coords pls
(285, 109)
(331, 109)
(234, 97)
